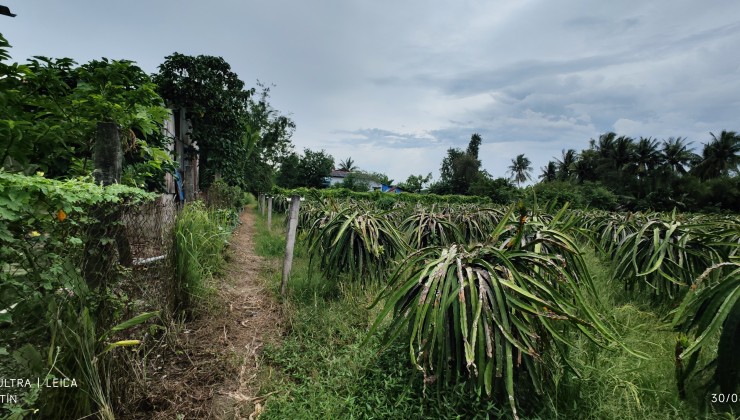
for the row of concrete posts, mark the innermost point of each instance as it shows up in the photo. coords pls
(265, 206)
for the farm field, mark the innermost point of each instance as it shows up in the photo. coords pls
(396, 313)
(150, 215)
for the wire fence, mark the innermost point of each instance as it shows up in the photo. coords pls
(72, 284)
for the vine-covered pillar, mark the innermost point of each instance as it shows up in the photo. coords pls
(107, 154)
(105, 239)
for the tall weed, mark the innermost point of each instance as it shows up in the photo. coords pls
(201, 237)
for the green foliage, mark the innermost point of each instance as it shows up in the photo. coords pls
(54, 324)
(520, 169)
(613, 383)
(308, 170)
(584, 369)
(43, 219)
(713, 307)
(355, 243)
(661, 256)
(646, 174)
(201, 237)
(322, 367)
(460, 169)
(409, 198)
(221, 195)
(355, 182)
(234, 130)
(579, 196)
(415, 183)
(427, 228)
(50, 109)
(347, 165)
(289, 174)
(720, 157)
(488, 313)
(499, 190)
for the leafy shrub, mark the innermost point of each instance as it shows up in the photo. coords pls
(221, 195)
(48, 249)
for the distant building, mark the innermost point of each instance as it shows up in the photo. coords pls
(390, 189)
(337, 177)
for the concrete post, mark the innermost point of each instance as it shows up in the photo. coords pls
(295, 203)
(269, 214)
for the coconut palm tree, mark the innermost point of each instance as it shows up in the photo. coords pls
(549, 172)
(721, 156)
(623, 154)
(347, 165)
(676, 154)
(585, 168)
(566, 164)
(520, 169)
(646, 156)
(605, 146)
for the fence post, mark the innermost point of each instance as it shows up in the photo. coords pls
(295, 203)
(262, 203)
(99, 249)
(269, 214)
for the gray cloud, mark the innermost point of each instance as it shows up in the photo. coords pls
(381, 138)
(530, 76)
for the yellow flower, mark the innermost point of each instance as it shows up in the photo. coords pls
(34, 234)
(39, 173)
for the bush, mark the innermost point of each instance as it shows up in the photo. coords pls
(221, 195)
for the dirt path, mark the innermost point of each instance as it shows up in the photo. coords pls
(213, 373)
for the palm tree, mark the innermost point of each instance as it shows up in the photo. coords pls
(676, 154)
(520, 169)
(584, 169)
(566, 165)
(623, 154)
(549, 172)
(347, 165)
(646, 156)
(605, 148)
(721, 156)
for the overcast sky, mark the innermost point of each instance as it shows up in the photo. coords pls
(394, 84)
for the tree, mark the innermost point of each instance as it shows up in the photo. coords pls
(499, 190)
(474, 145)
(585, 168)
(314, 167)
(347, 165)
(549, 172)
(231, 127)
(459, 169)
(647, 157)
(605, 146)
(217, 103)
(49, 110)
(378, 177)
(677, 156)
(566, 164)
(415, 183)
(720, 157)
(289, 174)
(355, 182)
(623, 153)
(520, 169)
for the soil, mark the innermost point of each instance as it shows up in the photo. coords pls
(212, 369)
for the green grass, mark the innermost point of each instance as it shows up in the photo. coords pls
(615, 384)
(322, 369)
(201, 238)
